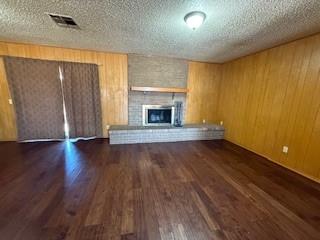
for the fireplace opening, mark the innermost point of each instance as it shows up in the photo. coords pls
(158, 115)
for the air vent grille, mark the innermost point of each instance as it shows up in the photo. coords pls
(63, 21)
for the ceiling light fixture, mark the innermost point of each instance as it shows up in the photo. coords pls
(195, 19)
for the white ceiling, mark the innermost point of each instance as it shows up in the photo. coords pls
(233, 28)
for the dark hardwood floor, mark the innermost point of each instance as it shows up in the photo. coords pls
(187, 190)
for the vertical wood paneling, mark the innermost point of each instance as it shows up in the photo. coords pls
(202, 98)
(272, 99)
(112, 75)
(266, 100)
(7, 116)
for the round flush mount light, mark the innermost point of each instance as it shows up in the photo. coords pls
(195, 19)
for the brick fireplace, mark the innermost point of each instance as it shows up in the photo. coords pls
(144, 71)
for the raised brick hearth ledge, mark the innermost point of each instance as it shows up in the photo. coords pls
(123, 134)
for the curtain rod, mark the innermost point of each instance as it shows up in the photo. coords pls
(50, 60)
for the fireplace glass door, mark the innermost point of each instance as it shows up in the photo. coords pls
(158, 115)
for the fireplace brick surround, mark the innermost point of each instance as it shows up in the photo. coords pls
(144, 71)
(138, 99)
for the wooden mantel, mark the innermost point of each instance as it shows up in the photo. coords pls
(159, 89)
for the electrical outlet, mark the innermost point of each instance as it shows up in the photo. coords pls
(108, 126)
(203, 121)
(221, 123)
(285, 149)
(10, 101)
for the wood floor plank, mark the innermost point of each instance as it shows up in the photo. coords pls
(180, 191)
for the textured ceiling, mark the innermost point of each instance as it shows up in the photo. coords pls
(233, 28)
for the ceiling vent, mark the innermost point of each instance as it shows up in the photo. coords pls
(63, 21)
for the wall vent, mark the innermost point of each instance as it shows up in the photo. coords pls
(63, 21)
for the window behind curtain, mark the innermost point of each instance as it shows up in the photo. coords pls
(37, 97)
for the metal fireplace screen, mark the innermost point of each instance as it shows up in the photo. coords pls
(157, 115)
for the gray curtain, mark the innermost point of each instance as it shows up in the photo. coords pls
(82, 99)
(36, 91)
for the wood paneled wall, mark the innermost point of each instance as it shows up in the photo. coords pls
(112, 75)
(202, 98)
(8, 130)
(272, 99)
(267, 100)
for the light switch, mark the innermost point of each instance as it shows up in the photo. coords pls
(10, 101)
(285, 149)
